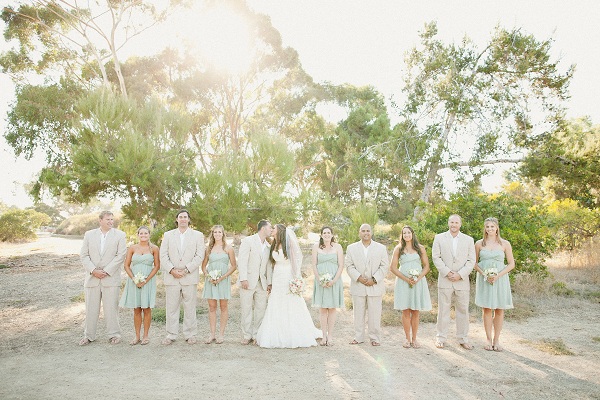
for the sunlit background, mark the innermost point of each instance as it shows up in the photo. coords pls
(360, 43)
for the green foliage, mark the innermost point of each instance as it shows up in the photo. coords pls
(567, 161)
(20, 225)
(464, 103)
(52, 212)
(521, 222)
(572, 224)
(122, 148)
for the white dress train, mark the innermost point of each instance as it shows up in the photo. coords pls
(287, 322)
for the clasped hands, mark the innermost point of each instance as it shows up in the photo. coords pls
(366, 281)
(99, 273)
(454, 276)
(178, 272)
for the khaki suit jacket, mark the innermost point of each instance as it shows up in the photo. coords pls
(111, 260)
(253, 262)
(171, 256)
(374, 265)
(445, 261)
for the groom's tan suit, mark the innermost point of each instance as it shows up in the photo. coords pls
(255, 267)
(105, 290)
(187, 255)
(462, 261)
(373, 265)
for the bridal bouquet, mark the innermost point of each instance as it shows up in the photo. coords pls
(490, 272)
(413, 274)
(325, 279)
(214, 274)
(297, 286)
(139, 278)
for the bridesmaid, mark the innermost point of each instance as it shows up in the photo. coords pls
(219, 255)
(328, 258)
(493, 294)
(142, 259)
(411, 293)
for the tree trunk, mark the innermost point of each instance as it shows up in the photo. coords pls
(434, 167)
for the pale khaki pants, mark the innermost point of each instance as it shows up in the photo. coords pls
(362, 305)
(109, 297)
(253, 303)
(177, 294)
(461, 305)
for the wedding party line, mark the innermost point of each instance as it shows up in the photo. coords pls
(274, 313)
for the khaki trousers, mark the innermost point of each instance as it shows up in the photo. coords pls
(253, 303)
(461, 305)
(361, 305)
(109, 297)
(175, 295)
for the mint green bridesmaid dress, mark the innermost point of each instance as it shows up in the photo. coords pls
(145, 297)
(497, 295)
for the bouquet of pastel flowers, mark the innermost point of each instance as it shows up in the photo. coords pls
(297, 286)
(139, 278)
(214, 274)
(325, 279)
(490, 272)
(413, 274)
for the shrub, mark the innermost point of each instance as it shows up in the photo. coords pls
(20, 225)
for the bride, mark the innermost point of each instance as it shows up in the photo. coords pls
(287, 322)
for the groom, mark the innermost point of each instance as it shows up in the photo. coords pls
(255, 273)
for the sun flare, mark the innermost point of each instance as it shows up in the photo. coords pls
(220, 37)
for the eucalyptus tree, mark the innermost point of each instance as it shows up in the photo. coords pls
(471, 107)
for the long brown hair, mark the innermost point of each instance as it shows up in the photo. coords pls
(415, 241)
(321, 242)
(211, 238)
(485, 235)
(279, 240)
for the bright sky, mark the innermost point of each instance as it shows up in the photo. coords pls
(364, 42)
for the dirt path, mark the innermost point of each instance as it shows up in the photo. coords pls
(39, 358)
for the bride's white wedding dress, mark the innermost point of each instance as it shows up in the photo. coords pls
(287, 322)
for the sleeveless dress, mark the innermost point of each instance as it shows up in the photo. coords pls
(411, 298)
(332, 297)
(222, 291)
(497, 295)
(134, 297)
(287, 322)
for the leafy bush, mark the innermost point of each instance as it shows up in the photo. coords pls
(20, 225)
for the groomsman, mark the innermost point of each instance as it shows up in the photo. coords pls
(255, 273)
(453, 254)
(102, 255)
(366, 264)
(181, 254)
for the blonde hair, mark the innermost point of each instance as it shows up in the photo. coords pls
(485, 235)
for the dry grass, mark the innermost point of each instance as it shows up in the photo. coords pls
(553, 346)
(80, 298)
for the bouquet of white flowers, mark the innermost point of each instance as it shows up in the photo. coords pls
(297, 286)
(214, 274)
(413, 274)
(139, 278)
(325, 279)
(490, 272)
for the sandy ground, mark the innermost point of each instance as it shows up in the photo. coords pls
(40, 327)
